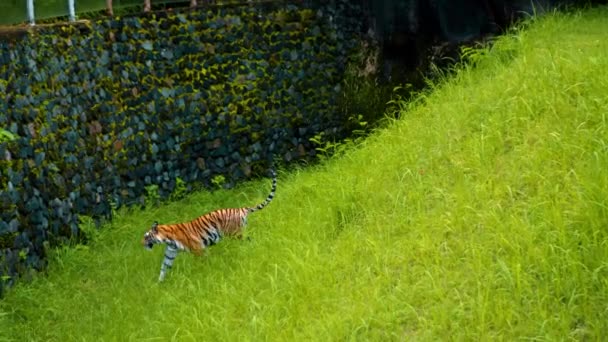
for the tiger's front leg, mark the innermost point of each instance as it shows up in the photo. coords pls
(170, 254)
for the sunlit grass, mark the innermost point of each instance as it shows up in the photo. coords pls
(481, 214)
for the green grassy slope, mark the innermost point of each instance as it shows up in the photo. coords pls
(481, 214)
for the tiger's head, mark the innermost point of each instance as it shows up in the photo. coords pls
(150, 237)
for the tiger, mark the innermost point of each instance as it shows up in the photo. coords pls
(202, 232)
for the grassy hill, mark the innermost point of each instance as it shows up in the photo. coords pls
(482, 213)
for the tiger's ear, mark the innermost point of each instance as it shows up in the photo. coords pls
(154, 226)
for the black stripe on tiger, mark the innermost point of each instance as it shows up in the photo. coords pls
(202, 232)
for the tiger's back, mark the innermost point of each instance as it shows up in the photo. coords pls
(202, 232)
(207, 230)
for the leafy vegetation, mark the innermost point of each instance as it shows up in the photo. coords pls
(480, 214)
(6, 136)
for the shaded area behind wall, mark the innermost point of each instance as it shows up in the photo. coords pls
(412, 31)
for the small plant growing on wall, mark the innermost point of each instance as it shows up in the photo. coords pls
(218, 181)
(152, 196)
(6, 136)
(179, 191)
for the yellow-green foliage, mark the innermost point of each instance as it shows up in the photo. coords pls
(480, 215)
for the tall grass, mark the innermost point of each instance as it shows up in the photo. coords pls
(481, 214)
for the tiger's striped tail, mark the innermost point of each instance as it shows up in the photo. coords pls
(270, 196)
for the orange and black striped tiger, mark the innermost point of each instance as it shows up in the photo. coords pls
(202, 232)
